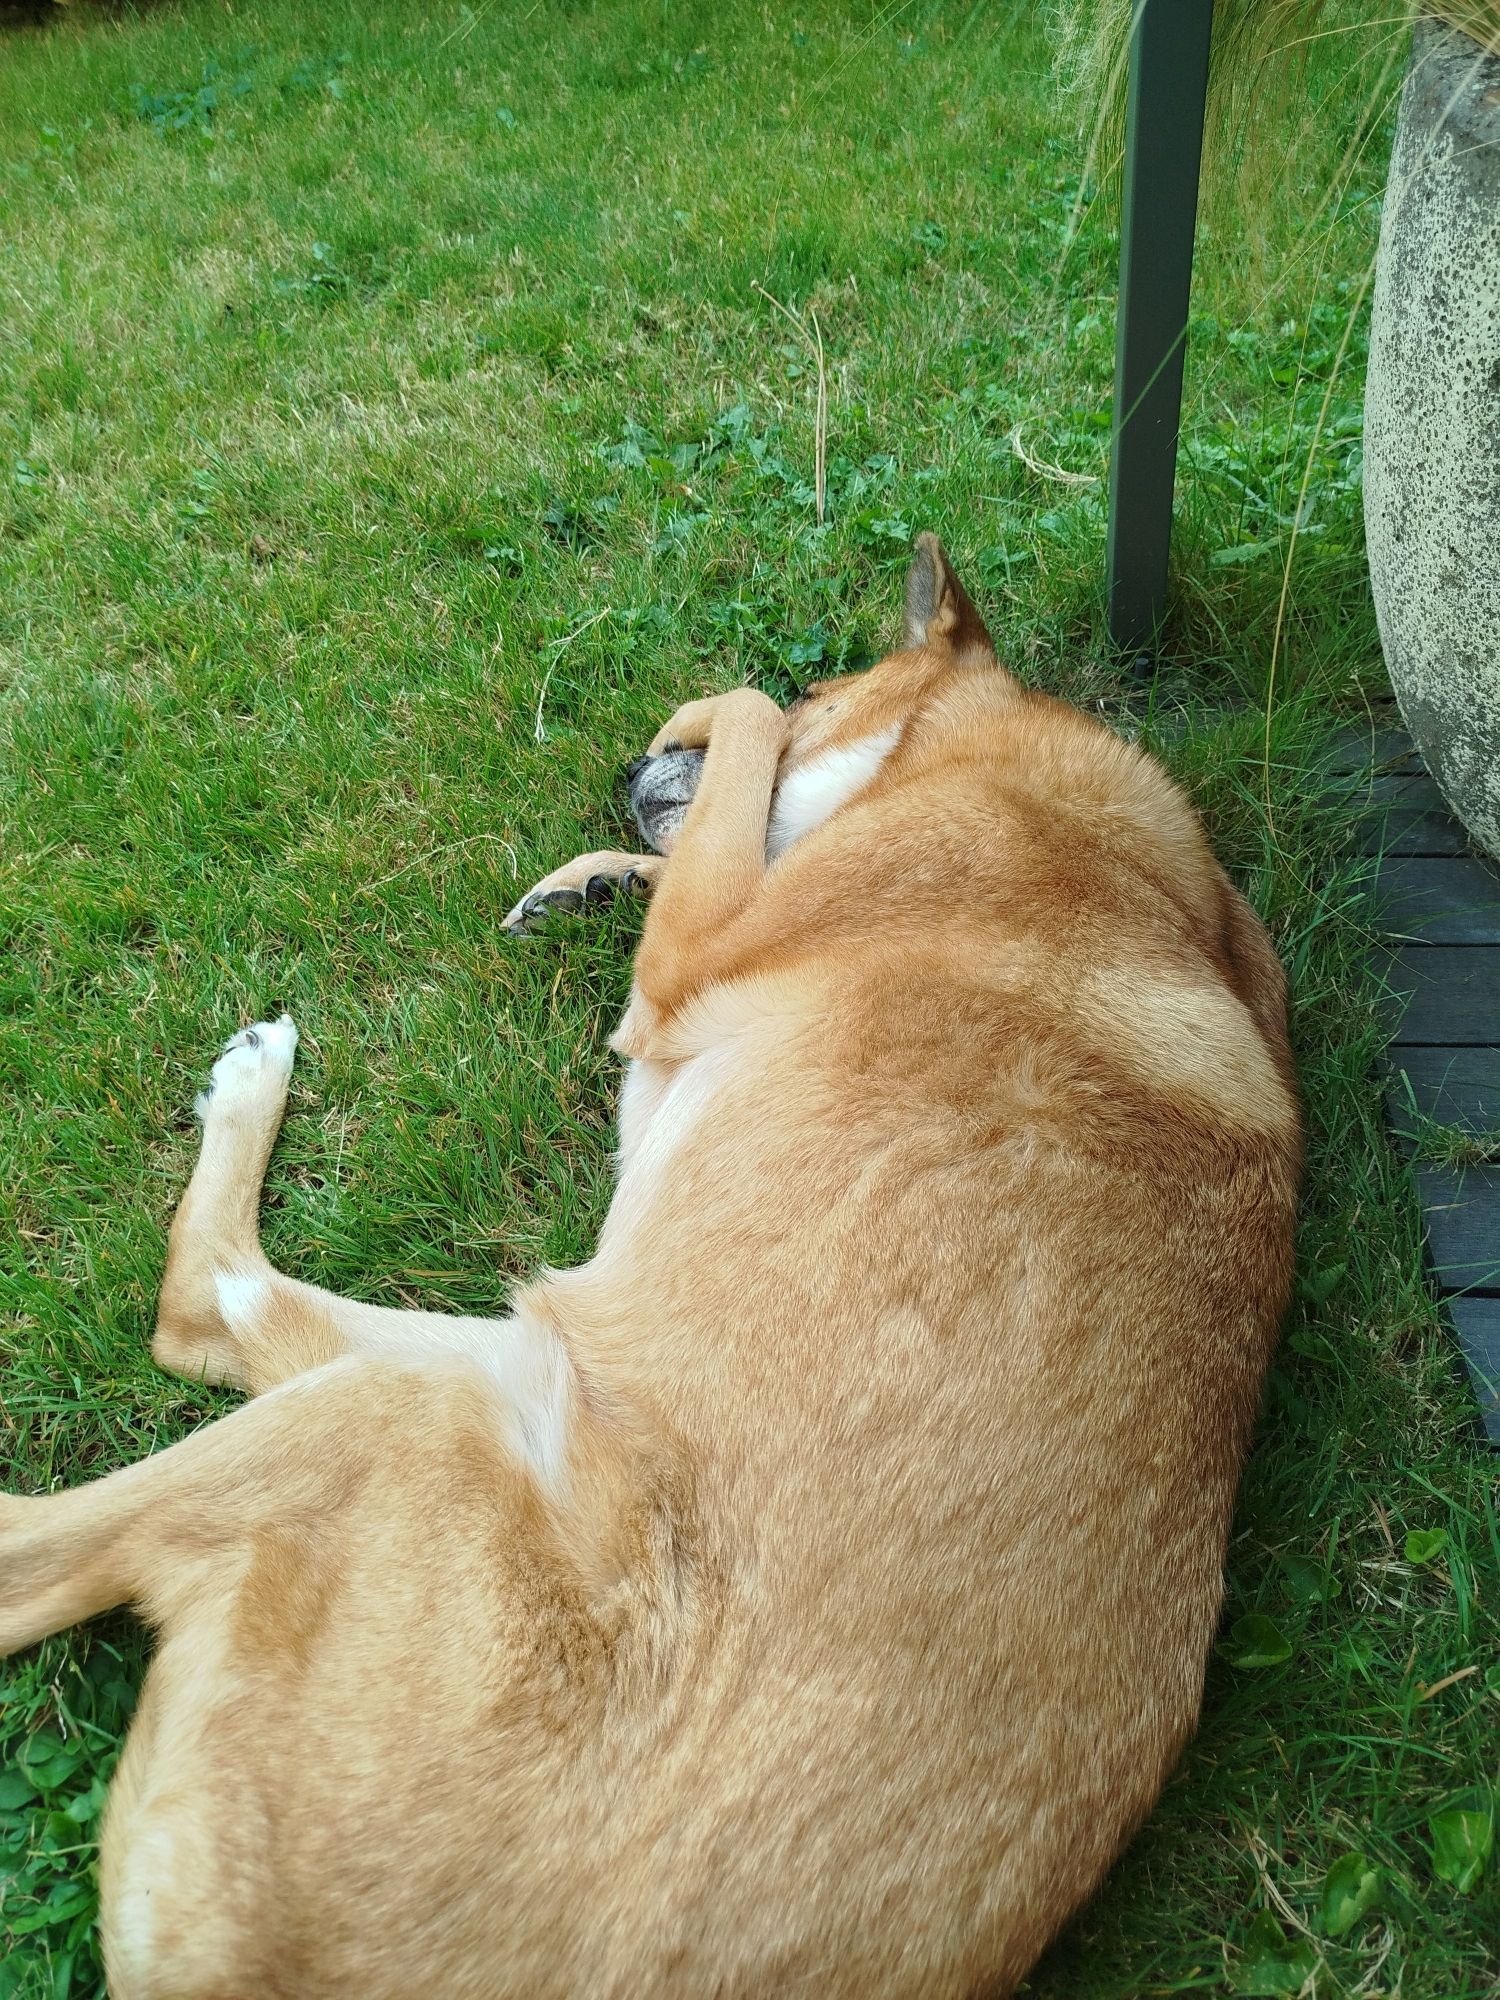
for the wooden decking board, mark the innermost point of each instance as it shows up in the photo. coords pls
(1477, 1324)
(1401, 832)
(1449, 899)
(1381, 746)
(1405, 787)
(1461, 1207)
(1405, 813)
(1459, 1087)
(1443, 1009)
(1443, 995)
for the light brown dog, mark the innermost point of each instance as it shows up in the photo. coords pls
(810, 1594)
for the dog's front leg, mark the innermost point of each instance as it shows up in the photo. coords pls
(588, 878)
(718, 861)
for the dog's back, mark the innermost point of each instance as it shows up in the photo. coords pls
(831, 1625)
(958, 1288)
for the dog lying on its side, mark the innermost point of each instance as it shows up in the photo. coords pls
(810, 1594)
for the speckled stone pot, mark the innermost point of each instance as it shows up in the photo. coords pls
(1432, 421)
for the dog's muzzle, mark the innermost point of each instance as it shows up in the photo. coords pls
(661, 790)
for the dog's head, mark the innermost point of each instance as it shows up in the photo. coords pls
(841, 729)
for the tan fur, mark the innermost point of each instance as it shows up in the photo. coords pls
(811, 1593)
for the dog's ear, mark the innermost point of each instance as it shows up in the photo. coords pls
(938, 610)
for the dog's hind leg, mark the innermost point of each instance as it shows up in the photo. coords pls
(172, 1534)
(130, 1537)
(287, 1556)
(227, 1316)
(214, 1247)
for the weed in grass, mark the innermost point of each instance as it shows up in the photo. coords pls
(336, 590)
(1455, 1145)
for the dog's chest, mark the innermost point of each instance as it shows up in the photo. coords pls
(808, 796)
(661, 1105)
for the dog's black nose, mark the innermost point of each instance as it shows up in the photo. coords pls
(634, 769)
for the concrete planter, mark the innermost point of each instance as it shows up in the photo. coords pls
(1432, 421)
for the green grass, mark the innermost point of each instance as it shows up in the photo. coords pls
(391, 433)
(1456, 1145)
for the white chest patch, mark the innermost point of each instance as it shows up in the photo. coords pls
(815, 791)
(660, 1107)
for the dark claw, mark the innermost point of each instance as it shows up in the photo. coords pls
(535, 908)
(634, 883)
(598, 889)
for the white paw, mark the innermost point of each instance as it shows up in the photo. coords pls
(253, 1069)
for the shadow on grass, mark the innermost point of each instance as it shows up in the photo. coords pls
(20, 15)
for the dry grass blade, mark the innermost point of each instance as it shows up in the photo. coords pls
(813, 341)
(559, 647)
(1448, 1681)
(1262, 1857)
(1044, 468)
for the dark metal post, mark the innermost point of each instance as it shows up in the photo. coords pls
(1163, 145)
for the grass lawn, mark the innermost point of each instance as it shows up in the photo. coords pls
(391, 434)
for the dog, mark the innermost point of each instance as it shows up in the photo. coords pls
(810, 1593)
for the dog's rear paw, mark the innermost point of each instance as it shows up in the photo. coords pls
(254, 1069)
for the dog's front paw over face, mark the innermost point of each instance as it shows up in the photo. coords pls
(661, 790)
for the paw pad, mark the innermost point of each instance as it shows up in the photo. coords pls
(256, 1062)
